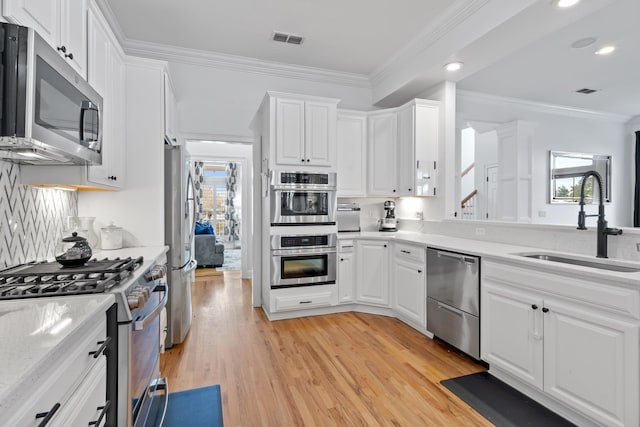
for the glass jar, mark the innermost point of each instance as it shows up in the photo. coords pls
(111, 237)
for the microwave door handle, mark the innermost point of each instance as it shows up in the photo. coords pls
(85, 106)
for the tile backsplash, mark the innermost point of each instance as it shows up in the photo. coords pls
(31, 219)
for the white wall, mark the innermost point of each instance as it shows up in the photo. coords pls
(221, 103)
(561, 130)
(139, 207)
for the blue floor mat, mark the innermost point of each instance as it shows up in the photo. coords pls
(195, 407)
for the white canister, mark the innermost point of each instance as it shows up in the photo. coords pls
(111, 237)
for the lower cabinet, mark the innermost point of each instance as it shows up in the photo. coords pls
(372, 272)
(346, 278)
(409, 283)
(290, 299)
(582, 356)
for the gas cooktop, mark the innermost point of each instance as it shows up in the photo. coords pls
(40, 279)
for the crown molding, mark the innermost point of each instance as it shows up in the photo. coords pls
(452, 18)
(542, 107)
(110, 17)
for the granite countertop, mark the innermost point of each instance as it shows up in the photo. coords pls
(511, 253)
(37, 332)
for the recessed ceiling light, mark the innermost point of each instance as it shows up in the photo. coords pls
(453, 66)
(582, 43)
(563, 4)
(605, 50)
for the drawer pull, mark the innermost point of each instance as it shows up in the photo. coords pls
(545, 310)
(306, 302)
(450, 310)
(385, 246)
(47, 415)
(535, 307)
(103, 345)
(419, 271)
(103, 411)
(405, 252)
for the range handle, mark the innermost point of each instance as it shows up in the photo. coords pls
(142, 323)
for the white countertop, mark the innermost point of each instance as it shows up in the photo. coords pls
(507, 252)
(35, 333)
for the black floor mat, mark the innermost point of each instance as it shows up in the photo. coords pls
(500, 403)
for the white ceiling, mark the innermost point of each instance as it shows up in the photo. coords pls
(511, 48)
(352, 36)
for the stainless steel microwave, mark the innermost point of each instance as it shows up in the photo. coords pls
(303, 198)
(49, 114)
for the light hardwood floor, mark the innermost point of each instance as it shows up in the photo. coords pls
(349, 369)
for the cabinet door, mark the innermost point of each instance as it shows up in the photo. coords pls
(382, 136)
(290, 132)
(43, 16)
(591, 363)
(73, 33)
(346, 278)
(410, 290)
(115, 120)
(373, 272)
(511, 331)
(426, 148)
(169, 110)
(406, 152)
(352, 159)
(320, 133)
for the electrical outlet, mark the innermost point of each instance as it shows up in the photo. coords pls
(638, 247)
(542, 213)
(480, 231)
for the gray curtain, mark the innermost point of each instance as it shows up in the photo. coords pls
(198, 180)
(231, 222)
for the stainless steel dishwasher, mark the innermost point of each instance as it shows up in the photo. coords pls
(453, 299)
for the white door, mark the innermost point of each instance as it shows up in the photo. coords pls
(491, 192)
(346, 278)
(290, 132)
(511, 331)
(410, 291)
(406, 152)
(373, 272)
(382, 155)
(320, 133)
(591, 363)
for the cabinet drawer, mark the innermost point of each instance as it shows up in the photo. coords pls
(301, 302)
(410, 252)
(56, 388)
(345, 246)
(88, 402)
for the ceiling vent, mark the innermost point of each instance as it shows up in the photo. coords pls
(287, 38)
(586, 91)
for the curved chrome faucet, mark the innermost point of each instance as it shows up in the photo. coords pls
(603, 230)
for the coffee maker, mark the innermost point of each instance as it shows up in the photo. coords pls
(388, 223)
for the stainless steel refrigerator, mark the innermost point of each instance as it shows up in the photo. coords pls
(179, 229)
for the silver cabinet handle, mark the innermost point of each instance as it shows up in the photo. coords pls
(405, 252)
(451, 310)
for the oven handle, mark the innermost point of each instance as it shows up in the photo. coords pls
(140, 324)
(315, 251)
(310, 188)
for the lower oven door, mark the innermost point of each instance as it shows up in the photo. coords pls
(302, 267)
(147, 390)
(302, 206)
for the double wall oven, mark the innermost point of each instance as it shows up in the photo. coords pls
(303, 204)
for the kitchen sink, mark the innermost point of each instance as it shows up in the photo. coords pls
(602, 265)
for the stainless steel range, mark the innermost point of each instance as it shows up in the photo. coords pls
(133, 357)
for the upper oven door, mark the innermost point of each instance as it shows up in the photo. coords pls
(301, 206)
(302, 267)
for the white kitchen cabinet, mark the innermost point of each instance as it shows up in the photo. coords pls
(417, 148)
(61, 23)
(307, 297)
(382, 150)
(106, 73)
(169, 111)
(302, 130)
(372, 270)
(409, 283)
(346, 272)
(576, 349)
(352, 149)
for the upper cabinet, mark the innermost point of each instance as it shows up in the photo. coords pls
(382, 147)
(61, 23)
(352, 148)
(169, 111)
(301, 130)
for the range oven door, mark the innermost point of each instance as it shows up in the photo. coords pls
(302, 267)
(147, 389)
(303, 206)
